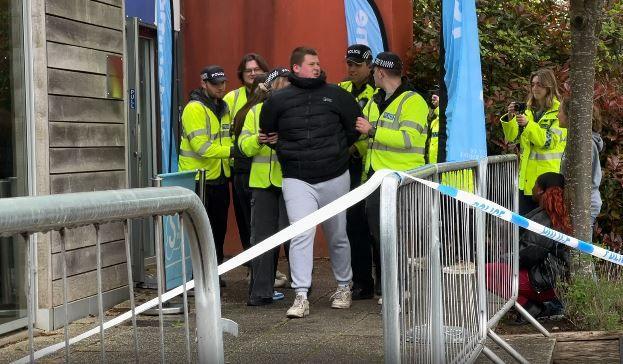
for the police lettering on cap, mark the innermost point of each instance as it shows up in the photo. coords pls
(213, 74)
(358, 53)
(388, 60)
(274, 73)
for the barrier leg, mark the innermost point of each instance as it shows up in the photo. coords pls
(522, 311)
(509, 349)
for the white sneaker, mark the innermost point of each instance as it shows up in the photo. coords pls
(300, 307)
(380, 301)
(341, 298)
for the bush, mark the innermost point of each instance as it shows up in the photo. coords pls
(517, 37)
(594, 305)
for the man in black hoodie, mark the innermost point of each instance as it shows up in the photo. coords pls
(315, 122)
(206, 144)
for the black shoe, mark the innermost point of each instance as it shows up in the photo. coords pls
(378, 290)
(260, 301)
(362, 293)
(221, 282)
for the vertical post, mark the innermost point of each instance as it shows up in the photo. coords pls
(30, 293)
(128, 258)
(63, 234)
(437, 328)
(159, 273)
(202, 185)
(100, 301)
(480, 250)
(389, 273)
(515, 243)
(185, 294)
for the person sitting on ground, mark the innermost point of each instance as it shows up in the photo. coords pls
(542, 261)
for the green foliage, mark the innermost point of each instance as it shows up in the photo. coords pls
(516, 38)
(591, 305)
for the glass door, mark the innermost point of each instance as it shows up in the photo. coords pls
(13, 160)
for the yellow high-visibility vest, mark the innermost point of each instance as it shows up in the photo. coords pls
(400, 139)
(265, 168)
(205, 141)
(541, 143)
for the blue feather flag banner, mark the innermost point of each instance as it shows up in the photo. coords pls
(364, 25)
(465, 113)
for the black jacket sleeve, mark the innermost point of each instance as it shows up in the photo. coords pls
(349, 112)
(269, 116)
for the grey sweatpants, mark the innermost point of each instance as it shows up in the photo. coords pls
(301, 200)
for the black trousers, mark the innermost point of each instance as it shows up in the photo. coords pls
(373, 203)
(526, 203)
(361, 243)
(217, 206)
(242, 207)
(268, 216)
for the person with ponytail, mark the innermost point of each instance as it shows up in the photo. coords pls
(268, 210)
(542, 261)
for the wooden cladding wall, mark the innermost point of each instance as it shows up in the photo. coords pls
(87, 134)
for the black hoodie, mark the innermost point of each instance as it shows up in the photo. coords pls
(316, 126)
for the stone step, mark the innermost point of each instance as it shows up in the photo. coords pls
(535, 348)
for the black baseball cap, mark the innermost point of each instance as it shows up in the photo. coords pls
(213, 74)
(274, 73)
(358, 53)
(388, 60)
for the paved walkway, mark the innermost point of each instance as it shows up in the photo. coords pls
(266, 335)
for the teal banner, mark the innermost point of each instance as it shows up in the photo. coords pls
(171, 234)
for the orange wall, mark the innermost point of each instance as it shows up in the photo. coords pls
(221, 32)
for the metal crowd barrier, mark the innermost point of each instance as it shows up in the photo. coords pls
(25, 216)
(436, 252)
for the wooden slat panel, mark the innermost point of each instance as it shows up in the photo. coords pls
(84, 260)
(67, 108)
(86, 182)
(86, 135)
(87, 11)
(85, 236)
(71, 83)
(76, 58)
(68, 160)
(84, 35)
(85, 285)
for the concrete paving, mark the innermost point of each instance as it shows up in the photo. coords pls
(265, 334)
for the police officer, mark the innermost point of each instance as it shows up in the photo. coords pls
(541, 139)
(432, 146)
(395, 123)
(268, 209)
(359, 62)
(206, 143)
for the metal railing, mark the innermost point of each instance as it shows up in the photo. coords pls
(24, 216)
(435, 251)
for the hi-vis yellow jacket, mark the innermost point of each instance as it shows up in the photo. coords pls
(541, 143)
(235, 100)
(205, 141)
(364, 97)
(433, 141)
(265, 168)
(400, 139)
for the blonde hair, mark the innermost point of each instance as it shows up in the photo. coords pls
(548, 81)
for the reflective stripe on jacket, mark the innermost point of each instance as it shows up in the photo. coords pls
(265, 168)
(541, 144)
(235, 100)
(205, 141)
(401, 131)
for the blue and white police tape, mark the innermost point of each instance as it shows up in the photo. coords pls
(505, 214)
